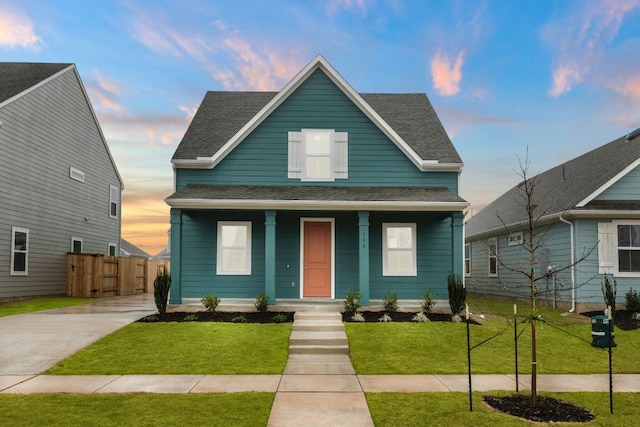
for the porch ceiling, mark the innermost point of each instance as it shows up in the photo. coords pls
(194, 196)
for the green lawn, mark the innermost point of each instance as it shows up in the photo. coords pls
(440, 347)
(452, 409)
(184, 348)
(11, 308)
(233, 409)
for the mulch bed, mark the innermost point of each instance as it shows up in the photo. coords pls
(398, 316)
(547, 409)
(622, 320)
(220, 316)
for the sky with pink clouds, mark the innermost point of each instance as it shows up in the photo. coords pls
(557, 77)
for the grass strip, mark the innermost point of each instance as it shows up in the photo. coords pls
(452, 409)
(233, 409)
(10, 308)
(184, 348)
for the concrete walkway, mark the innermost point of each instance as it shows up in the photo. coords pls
(319, 384)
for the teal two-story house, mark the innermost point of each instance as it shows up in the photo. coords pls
(315, 191)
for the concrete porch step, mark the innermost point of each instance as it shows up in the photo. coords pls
(317, 326)
(324, 316)
(318, 338)
(318, 349)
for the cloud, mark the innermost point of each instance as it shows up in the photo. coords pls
(253, 66)
(105, 91)
(580, 40)
(17, 31)
(334, 6)
(446, 76)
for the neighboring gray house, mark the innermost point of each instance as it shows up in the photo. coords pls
(591, 206)
(129, 249)
(59, 186)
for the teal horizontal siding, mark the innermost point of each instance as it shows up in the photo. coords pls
(262, 157)
(627, 188)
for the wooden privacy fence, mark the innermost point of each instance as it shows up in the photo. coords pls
(98, 275)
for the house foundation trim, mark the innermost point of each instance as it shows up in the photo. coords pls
(363, 256)
(175, 293)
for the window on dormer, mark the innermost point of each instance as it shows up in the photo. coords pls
(318, 155)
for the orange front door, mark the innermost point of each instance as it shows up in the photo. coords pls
(317, 259)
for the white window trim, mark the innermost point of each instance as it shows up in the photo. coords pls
(247, 247)
(15, 230)
(616, 248)
(77, 239)
(467, 272)
(385, 249)
(338, 156)
(493, 240)
(76, 174)
(115, 249)
(111, 201)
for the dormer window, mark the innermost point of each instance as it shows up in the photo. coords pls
(318, 155)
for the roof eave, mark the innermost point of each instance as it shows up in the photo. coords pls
(609, 183)
(338, 205)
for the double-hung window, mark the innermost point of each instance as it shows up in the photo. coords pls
(114, 201)
(628, 247)
(467, 259)
(234, 248)
(493, 257)
(399, 249)
(19, 251)
(318, 155)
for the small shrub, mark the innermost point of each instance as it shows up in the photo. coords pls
(456, 318)
(635, 316)
(352, 302)
(190, 318)
(385, 318)
(357, 317)
(152, 318)
(609, 290)
(632, 300)
(161, 286)
(457, 293)
(428, 301)
(210, 302)
(239, 319)
(390, 302)
(262, 302)
(420, 317)
(280, 318)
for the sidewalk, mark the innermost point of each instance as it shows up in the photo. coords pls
(89, 384)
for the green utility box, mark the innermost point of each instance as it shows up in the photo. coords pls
(600, 330)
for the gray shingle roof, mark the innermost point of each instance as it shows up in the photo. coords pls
(222, 114)
(562, 187)
(16, 77)
(132, 249)
(316, 193)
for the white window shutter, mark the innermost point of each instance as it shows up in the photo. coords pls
(341, 169)
(606, 239)
(295, 155)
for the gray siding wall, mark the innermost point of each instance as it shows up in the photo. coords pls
(553, 251)
(43, 134)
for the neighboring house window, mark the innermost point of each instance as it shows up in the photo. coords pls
(493, 257)
(516, 238)
(19, 251)
(399, 250)
(234, 247)
(467, 259)
(114, 199)
(76, 245)
(628, 247)
(112, 249)
(76, 174)
(318, 155)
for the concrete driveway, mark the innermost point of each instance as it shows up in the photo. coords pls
(31, 343)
